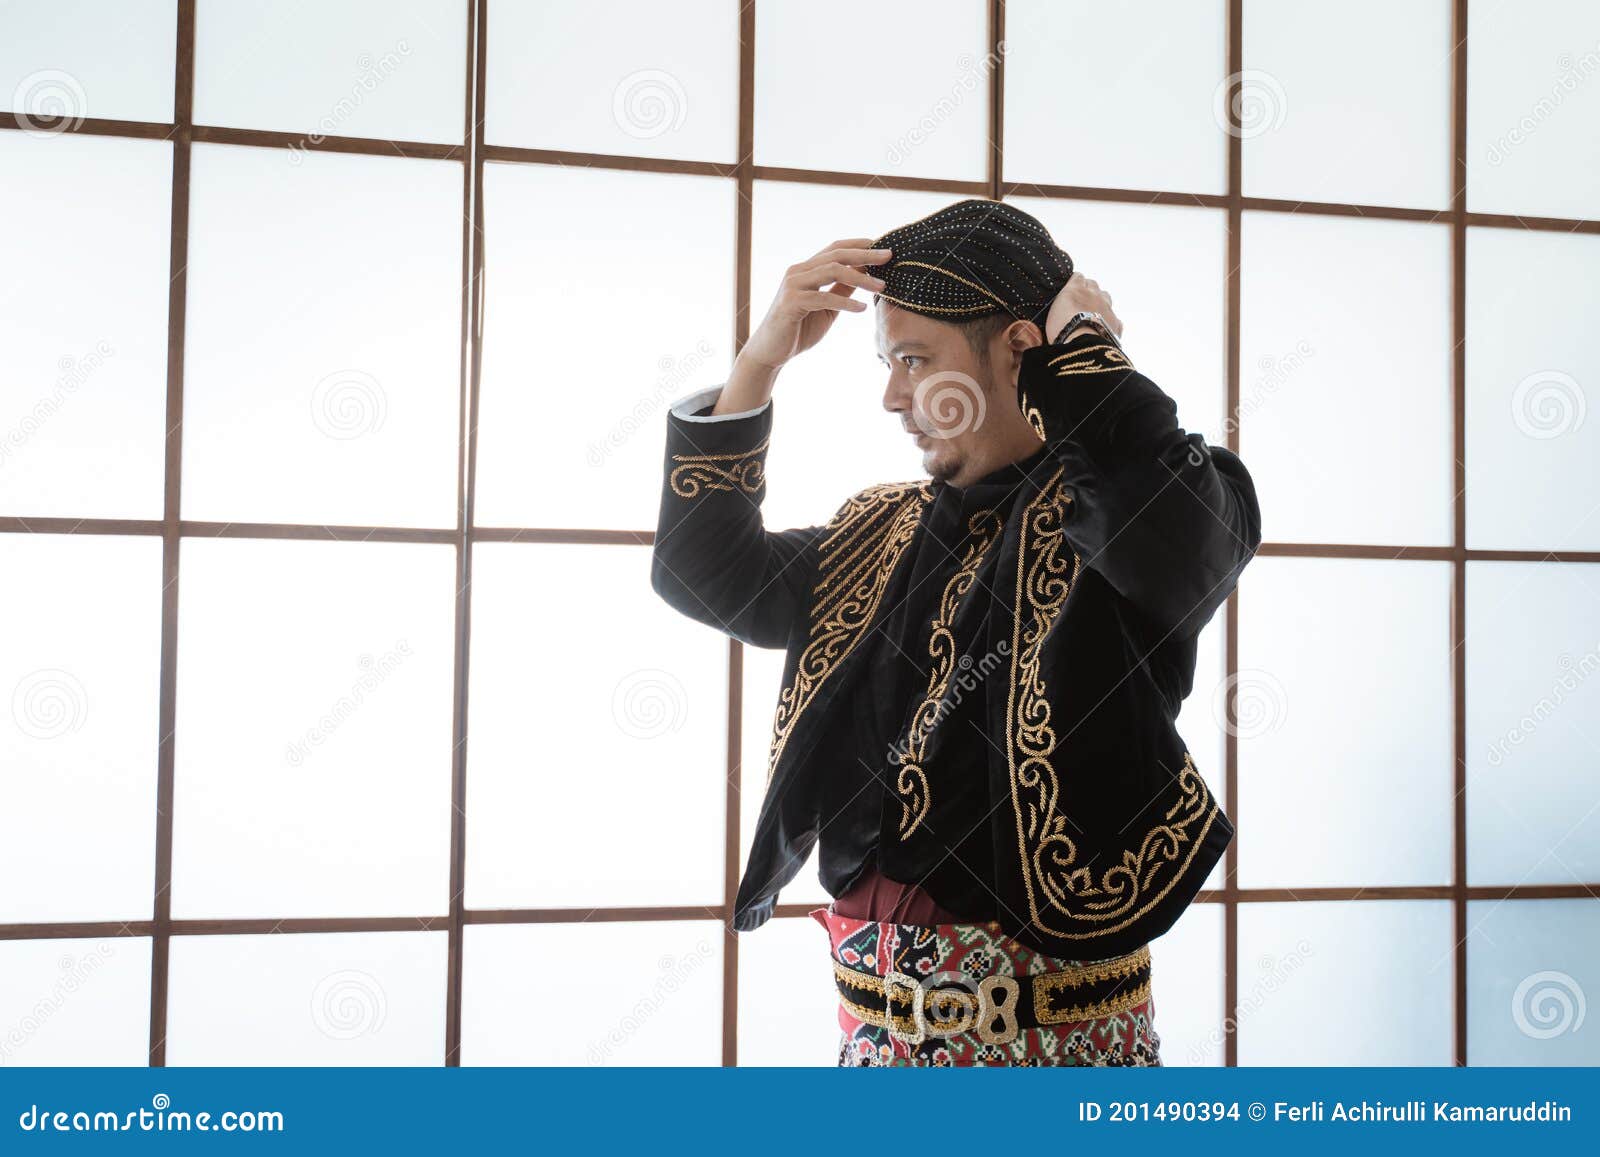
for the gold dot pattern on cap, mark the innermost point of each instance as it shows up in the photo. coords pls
(974, 257)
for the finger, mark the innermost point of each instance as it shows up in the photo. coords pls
(846, 245)
(836, 271)
(811, 300)
(850, 256)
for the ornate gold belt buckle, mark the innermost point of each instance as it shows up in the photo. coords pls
(891, 981)
(999, 997)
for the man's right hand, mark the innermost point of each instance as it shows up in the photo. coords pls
(798, 317)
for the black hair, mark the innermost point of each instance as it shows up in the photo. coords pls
(980, 331)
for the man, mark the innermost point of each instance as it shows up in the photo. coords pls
(982, 668)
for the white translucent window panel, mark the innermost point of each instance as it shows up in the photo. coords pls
(370, 998)
(831, 396)
(763, 680)
(1360, 982)
(1345, 723)
(1186, 987)
(314, 729)
(1532, 966)
(626, 77)
(1166, 271)
(322, 372)
(1203, 720)
(1532, 107)
(80, 669)
(598, 769)
(75, 1002)
(83, 322)
(1325, 378)
(1127, 133)
(919, 109)
(580, 365)
(1533, 745)
(788, 1002)
(393, 69)
(1533, 391)
(87, 58)
(1309, 134)
(652, 994)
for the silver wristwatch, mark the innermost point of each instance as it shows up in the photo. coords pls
(1094, 319)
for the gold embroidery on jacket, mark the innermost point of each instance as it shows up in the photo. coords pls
(868, 535)
(1035, 419)
(1092, 359)
(745, 471)
(1055, 884)
(912, 781)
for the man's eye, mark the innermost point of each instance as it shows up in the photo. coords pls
(909, 358)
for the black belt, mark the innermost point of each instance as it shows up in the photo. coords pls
(947, 1003)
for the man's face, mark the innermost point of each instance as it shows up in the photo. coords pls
(944, 393)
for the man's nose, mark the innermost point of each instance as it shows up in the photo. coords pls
(896, 394)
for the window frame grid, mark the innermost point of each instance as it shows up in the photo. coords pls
(473, 152)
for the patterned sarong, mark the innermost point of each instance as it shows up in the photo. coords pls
(967, 994)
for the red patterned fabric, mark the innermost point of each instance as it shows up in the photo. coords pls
(963, 954)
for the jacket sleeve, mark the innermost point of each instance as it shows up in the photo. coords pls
(713, 558)
(1167, 520)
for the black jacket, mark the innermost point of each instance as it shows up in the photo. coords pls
(981, 683)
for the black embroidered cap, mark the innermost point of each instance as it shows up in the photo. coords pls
(974, 257)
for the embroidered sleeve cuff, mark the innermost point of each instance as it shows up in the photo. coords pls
(726, 453)
(1081, 392)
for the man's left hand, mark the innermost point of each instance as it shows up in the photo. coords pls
(1077, 295)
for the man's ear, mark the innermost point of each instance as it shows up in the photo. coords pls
(1023, 335)
(1020, 336)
